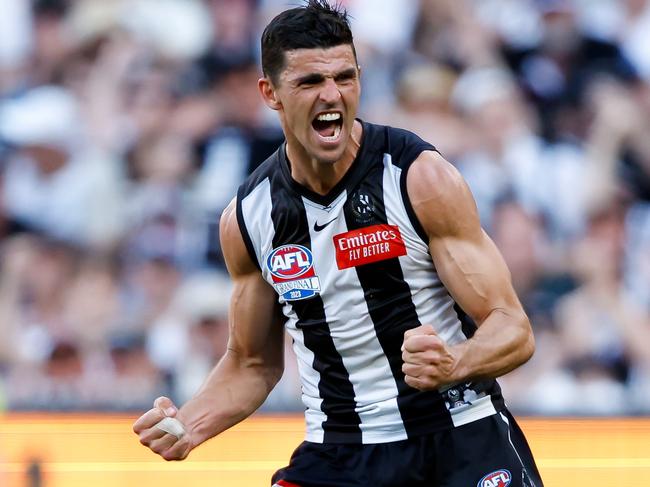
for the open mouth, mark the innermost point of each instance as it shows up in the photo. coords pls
(328, 126)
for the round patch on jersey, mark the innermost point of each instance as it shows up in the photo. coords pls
(289, 261)
(500, 478)
(292, 272)
(362, 206)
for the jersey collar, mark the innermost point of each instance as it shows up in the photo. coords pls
(357, 170)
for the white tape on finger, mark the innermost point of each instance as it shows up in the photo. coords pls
(171, 426)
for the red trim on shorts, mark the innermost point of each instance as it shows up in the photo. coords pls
(284, 483)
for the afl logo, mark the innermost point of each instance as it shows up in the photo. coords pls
(289, 262)
(292, 272)
(500, 478)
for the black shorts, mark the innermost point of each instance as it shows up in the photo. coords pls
(489, 452)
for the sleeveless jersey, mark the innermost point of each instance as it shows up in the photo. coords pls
(353, 272)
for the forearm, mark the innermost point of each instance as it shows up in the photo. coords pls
(233, 391)
(503, 342)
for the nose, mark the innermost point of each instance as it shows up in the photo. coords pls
(330, 92)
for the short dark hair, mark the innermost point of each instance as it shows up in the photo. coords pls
(317, 24)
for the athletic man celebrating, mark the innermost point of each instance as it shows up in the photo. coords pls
(365, 244)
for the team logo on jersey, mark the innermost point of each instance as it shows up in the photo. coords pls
(500, 478)
(367, 245)
(362, 206)
(292, 271)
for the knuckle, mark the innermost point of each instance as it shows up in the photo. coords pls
(437, 343)
(169, 456)
(431, 342)
(159, 401)
(431, 356)
(430, 371)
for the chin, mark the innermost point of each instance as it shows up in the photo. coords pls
(328, 153)
(328, 157)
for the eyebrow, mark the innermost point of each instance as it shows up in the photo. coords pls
(314, 78)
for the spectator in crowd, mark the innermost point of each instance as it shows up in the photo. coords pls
(600, 331)
(52, 182)
(134, 378)
(126, 127)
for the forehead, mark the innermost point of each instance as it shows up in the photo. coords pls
(318, 60)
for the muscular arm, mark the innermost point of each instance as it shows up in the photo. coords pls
(253, 362)
(474, 273)
(246, 374)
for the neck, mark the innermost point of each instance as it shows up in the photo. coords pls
(321, 177)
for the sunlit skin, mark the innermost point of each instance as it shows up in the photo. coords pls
(312, 82)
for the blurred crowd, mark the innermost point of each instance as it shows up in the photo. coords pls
(127, 125)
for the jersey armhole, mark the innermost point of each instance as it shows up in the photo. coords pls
(405, 197)
(244, 231)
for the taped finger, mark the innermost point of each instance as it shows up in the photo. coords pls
(171, 426)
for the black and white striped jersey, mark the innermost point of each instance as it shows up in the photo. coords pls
(353, 272)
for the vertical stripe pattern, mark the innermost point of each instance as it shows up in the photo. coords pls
(390, 306)
(352, 332)
(348, 336)
(335, 389)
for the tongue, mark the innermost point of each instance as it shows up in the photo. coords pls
(324, 128)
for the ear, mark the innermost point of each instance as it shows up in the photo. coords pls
(268, 93)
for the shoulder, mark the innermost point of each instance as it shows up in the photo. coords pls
(431, 174)
(236, 254)
(264, 171)
(402, 145)
(441, 199)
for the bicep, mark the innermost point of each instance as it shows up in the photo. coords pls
(466, 259)
(474, 273)
(255, 320)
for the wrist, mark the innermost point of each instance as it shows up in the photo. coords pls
(462, 366)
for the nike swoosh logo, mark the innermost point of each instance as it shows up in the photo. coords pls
(318, 228)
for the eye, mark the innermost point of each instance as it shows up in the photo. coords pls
(346, 76)
(310, 80)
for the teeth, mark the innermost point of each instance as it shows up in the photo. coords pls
(328, 117)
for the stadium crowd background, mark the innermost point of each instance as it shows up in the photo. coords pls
(127, 125)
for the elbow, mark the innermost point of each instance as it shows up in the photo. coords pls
(527, 341)
(274, 374)
(271, 373)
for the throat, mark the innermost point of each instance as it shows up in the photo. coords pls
(317, 176)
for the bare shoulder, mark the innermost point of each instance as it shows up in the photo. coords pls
(234, 250)
(441, 199)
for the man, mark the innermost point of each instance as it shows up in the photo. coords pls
(370, 243)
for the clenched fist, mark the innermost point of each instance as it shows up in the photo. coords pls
(169, 439)
(429, 362)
